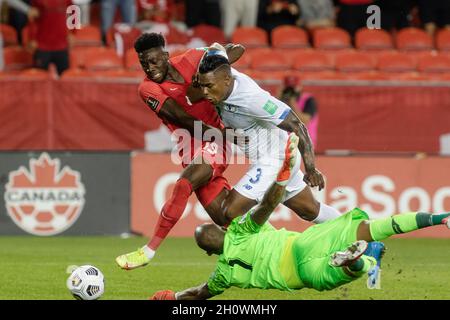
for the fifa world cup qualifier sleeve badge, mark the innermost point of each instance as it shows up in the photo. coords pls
(152, 103)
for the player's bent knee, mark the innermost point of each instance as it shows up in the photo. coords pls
(307, 211)
(311, 211)
(220, 219)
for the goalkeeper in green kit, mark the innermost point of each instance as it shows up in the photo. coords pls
(253, 254)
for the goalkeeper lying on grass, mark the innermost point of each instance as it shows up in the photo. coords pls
(253, 254)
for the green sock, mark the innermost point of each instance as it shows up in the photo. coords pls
(427, 219)
(402, 223)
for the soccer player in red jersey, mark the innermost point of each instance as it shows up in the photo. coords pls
(168, 91)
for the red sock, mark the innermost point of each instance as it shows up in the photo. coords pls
(171, 212)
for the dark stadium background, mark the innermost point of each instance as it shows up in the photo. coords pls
(383, 98)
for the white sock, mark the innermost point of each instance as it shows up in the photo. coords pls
(148, 252)
(326, 213)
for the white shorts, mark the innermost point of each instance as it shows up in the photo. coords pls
(263, 173)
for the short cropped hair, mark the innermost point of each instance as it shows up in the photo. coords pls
(212, 62)
(148, 41)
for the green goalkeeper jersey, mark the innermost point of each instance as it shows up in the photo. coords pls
(255, 256)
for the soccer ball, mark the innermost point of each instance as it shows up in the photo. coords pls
(86, 283)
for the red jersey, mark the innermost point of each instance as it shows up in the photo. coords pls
(50, 29)
(155, 94)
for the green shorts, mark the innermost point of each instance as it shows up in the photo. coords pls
(313, 248)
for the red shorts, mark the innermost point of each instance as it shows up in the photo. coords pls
(217, 159)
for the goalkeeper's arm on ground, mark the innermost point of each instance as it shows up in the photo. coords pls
(200, 292)
(195, 293)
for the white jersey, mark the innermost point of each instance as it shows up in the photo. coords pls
(257, 113)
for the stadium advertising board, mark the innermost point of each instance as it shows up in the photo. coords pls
(64, 193)
(379, 185)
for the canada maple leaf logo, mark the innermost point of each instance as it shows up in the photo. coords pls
(44, 200)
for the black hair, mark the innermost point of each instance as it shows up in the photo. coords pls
(212, 62)
(148, 41)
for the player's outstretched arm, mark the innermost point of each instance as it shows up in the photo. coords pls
(195, 293)
(292, 123)
(275, 194)
(234, 52)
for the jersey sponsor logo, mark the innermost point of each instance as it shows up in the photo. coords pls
(270, 107)
(258, 176)
(152, 103)
(230, 107)
(44, 200)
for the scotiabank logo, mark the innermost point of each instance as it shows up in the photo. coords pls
(44, 200)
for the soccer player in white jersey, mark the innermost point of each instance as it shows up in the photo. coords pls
(266, 121)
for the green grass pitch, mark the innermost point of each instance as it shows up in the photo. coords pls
(35, 268)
